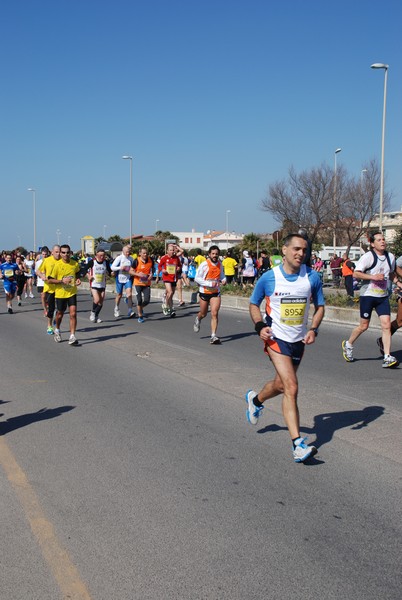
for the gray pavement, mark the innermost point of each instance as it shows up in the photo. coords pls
(150, 482)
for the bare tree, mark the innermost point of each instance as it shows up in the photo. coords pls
(360, 202)
(304, 200)
(323, 204)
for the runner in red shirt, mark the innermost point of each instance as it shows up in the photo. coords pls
(170, 267)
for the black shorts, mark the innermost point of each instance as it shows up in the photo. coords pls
(294, 350)
(207, 297)
(62, 303)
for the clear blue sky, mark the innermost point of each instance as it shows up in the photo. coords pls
(214, 99)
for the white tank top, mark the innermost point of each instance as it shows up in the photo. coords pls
(99, 271)
(289, 305)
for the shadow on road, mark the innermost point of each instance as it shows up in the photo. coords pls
(326, 424)
(24, 420)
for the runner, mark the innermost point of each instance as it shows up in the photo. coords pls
(121, 266)
(142, 271)
(64, 277)
(8, 272)
(210, 275)
(376, 268)
(20, 278)
(97, 271)
(29, 274)
(40, 281)
(287, 289)
(170, 267)
(397, 322)
(49, 289)
(229, 266)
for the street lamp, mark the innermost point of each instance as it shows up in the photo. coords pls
(58, 233)
(385, 67)
(34, 216)
(156, 225)
(335, 218)
(227, 229)
(130, 158)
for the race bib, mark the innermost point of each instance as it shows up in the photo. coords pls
(171, 269)
(292, 311)
(8, 272)
(98, 277)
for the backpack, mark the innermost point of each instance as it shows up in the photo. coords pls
(375, 260)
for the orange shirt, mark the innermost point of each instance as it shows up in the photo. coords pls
(145, 269)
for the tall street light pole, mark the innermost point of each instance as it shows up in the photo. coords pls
(130, 158)
(385, 67)
(227, 229)
(34, 216)
(335, 199)
(362, 173)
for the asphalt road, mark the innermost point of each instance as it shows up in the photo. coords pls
(128, 469)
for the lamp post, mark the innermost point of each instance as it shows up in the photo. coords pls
(156, 225)
(34, 216)
(362, 172)
(130, 158)
(227, 229)
(58, 233)
(335, 218)
(385, 67)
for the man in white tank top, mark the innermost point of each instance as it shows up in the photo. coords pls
(287, 289)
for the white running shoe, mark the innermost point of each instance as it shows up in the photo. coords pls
(73, 340)
(302, 451)
(98, 320)
(253, 412)
(389, 361)
(31, 295)
(215, 340)
(92, 317)
(196, 325)
(116, 312)
(57, 336)
(347, 351)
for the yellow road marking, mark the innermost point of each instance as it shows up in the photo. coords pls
(64, 571)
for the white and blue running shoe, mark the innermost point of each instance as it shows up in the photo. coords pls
(302, 451)
(253, 412)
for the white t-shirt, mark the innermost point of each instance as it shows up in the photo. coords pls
(376, 289)
(122, 264)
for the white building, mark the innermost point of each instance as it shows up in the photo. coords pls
(223, 239)
(391, 224)
(190, 239)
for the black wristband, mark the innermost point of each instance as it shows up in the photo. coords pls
(315, 329)
(258, 326)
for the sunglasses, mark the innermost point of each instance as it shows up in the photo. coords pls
(65, 252)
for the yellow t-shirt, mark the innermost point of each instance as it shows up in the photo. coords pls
(199, 259)
(229, 266)
(47, 267)
(62, 269)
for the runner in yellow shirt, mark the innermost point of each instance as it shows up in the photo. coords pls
(64, 276)
(49, 289)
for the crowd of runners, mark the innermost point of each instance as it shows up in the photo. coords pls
(287, 286)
